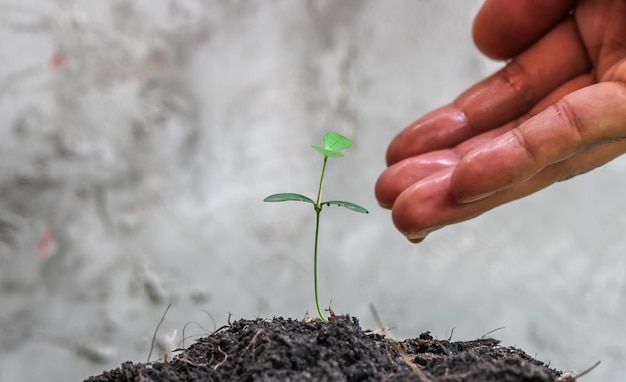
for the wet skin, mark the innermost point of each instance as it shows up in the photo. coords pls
(556, 110)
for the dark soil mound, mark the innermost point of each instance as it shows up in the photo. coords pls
(289, 350)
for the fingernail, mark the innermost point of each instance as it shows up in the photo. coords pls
(416, 237)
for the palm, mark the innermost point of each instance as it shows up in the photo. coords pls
(557, 110)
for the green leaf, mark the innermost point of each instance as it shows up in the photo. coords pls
(333, 142)
(348, 205)
(328, 153)
(288, 196)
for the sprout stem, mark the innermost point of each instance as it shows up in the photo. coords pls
(317, 301)
(318, 210)
(319, 191)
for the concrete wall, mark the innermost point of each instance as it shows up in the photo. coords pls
(138, 138)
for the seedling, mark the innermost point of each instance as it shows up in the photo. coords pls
(333, 144)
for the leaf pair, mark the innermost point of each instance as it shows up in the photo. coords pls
(289, 196)
(333, 143)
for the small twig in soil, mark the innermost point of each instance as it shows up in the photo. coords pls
(167, 350)
(182, 342)
(330, 310)
(491, 332)
(221, 328)
(211, 317)
(223, 361)
(200, 326)
(380, 331)
(156, 330)
(396, 346)
(572, 376)
(451, 333)
(188, 361)
(253, 341)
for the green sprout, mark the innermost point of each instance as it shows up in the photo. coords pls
(333, 143)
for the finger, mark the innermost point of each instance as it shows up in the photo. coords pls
(502, 97)
(405, 173)
(504, 28)
(428, 205)
(602, 29)
(579, 121)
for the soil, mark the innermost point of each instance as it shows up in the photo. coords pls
(294, 350)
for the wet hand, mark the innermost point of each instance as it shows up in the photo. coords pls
(556, 110)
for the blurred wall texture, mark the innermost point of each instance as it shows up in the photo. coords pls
(139, 137)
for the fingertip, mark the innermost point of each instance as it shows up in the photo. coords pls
(385, 206)
(392, 182)
(384, 190)
(406, 217)
(416, 240)
(404, 174)
(422, 208)
(483, 39)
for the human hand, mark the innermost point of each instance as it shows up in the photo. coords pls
(556, 110)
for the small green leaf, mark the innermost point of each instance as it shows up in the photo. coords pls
(327, 152)
(348, 205)
(334, 141)
(284, 197)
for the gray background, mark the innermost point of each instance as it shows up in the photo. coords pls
(138, 138)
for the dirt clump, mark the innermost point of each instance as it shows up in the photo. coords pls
(293, 350)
